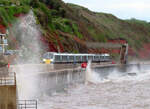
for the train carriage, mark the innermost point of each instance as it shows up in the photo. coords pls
(74, 58)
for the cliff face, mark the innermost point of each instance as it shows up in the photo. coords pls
(66, 27)
(107, 28)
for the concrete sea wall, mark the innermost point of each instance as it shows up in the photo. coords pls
(48, 80)
(59, 80)
(122, 69)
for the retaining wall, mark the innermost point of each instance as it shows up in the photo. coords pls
(8, 97)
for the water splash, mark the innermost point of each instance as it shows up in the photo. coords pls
(27, 32)
(134, 74)
(90, 75)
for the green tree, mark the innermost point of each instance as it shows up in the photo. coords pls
(34, 3)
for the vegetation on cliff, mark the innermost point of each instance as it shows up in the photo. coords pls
(65, 26)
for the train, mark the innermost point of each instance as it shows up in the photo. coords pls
(53, 57)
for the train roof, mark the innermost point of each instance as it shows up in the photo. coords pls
(80, 54)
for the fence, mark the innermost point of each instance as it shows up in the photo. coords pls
(10, 79)
(27, 104)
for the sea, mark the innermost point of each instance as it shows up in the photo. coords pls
(114, 91)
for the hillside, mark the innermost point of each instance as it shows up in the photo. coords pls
(65, 26)
(103, 27)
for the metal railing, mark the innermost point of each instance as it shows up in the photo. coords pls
(10, 79)
(27, 104)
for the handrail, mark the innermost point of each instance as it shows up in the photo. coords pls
(8, 80)
(27, 104)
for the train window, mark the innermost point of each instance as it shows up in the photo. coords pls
(106, 57)
(71, 58)
(50, 56)
(90, 57)
(64, 58)
(46, 56)
(96, 58)
(101, 58)
(78, 58)
(57, 58)
(84, 58)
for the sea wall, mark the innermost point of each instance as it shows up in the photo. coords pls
(41, 67)
(49, 81)
(56, 81)
(122, 69)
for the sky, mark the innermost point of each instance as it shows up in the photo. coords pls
(123, 9)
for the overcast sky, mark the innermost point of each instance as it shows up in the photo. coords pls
(124, 9)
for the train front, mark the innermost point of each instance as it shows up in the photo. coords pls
(48, 58)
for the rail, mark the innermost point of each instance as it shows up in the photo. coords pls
(27, 104)
(10, 79)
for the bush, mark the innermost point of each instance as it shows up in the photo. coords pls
(140, 22)
(4, 16)
(47, 12)
(25, 9)
(54, 12)
(53, 3)
(76, 31)
(25, 2)
(7, 13)
(67, 26)
(34, 3)
(99, 36)
(62, 12)
(62, 24)
(5, 2)
(17, 10)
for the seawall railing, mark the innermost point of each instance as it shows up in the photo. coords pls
(27, 104)
(10, 79)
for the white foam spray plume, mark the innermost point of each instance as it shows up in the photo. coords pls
(134, 74)
(90, 75)
(28, 33)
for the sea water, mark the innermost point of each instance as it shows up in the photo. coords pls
(117, 91)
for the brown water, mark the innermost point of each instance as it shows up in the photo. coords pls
(126, 92)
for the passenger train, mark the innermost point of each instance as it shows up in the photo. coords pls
(54, 57)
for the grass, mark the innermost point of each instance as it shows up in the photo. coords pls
(67, 26)
(97, 36)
